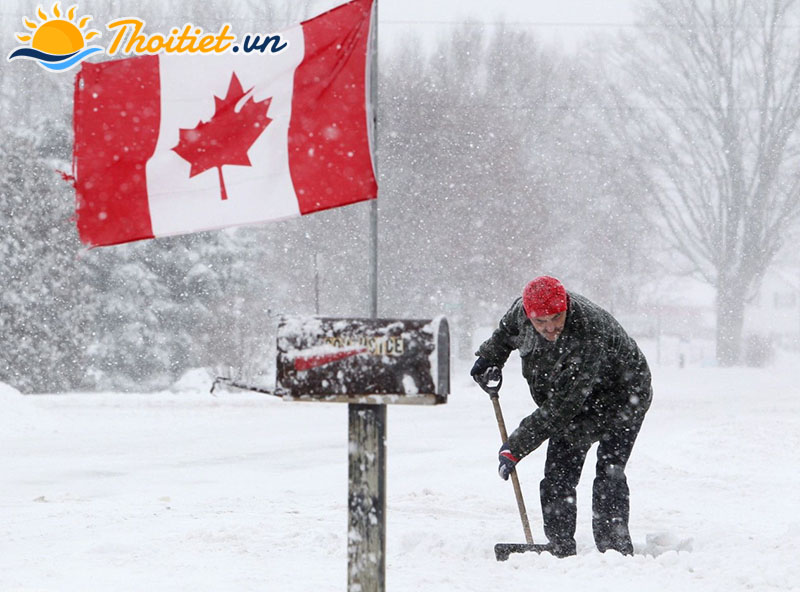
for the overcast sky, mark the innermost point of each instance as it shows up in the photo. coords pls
(567, 22)
(563, 21)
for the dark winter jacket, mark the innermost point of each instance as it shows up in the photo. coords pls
(592, 379)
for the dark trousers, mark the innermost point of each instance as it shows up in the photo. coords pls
(610, 494)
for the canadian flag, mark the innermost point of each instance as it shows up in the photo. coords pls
(172, 144)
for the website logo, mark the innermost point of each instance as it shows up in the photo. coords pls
(56, 42)
(59, 42)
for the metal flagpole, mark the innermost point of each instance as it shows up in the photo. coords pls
(366, 540)
(373, 211)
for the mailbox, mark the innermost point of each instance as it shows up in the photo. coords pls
(359, 360)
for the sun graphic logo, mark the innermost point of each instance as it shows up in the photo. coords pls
(56, 43)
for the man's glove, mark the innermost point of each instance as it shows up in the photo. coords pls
(507, 462)
(480, 366)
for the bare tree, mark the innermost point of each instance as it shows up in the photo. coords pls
(711, 114)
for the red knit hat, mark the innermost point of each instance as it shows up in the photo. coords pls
(544, 296)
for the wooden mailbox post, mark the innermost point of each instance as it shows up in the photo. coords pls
(367, 363)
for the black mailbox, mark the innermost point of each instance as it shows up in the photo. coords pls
(363, 360)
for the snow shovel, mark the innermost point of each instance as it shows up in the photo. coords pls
(491, 381)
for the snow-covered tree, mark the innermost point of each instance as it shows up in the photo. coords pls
(40, 311)
(709, 109)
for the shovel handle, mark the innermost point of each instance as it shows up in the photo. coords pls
(523, 514)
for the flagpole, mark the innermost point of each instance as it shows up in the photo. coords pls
(373, 212)
(366, 540)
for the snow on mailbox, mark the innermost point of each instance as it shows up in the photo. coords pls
(363, 360)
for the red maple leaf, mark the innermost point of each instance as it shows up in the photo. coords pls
(227, 136)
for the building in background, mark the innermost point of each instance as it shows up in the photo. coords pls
(772, 317)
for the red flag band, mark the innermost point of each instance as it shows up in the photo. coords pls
(173, 144)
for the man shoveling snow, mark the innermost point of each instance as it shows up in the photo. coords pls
(591, 383)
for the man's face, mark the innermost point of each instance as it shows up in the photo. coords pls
(550, 326)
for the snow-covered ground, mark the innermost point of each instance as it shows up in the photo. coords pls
(185, 491)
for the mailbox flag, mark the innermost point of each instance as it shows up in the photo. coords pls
(172, 144)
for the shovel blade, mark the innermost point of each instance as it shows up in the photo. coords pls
(503, 550)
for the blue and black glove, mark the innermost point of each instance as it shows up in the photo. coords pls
(480, 366)
(507, 462)
(489, 376)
